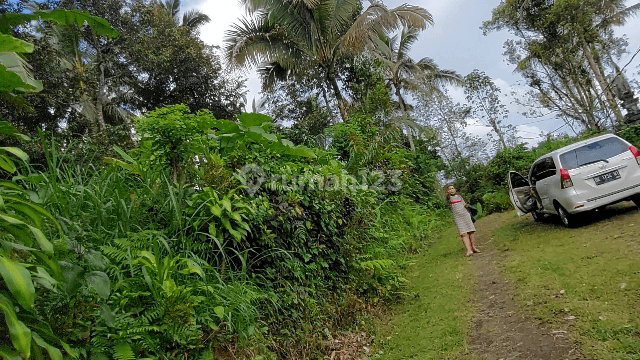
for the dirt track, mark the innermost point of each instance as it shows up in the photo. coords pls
(501, 330)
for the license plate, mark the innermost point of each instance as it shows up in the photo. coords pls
(605, 178)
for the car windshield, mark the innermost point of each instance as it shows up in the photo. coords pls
(594, 152)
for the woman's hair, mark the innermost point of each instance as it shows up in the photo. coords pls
(446, 191)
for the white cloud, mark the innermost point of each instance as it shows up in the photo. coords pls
(222, 14)
(532, 135)
(475, 128)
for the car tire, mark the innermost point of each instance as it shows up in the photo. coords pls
(636, 200)
(537, 217)
(567, 219)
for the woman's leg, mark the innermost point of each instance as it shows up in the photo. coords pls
(472, 240)
(467, 243)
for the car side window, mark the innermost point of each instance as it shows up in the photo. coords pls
(543, 169)
(548, 168)
(535, 172)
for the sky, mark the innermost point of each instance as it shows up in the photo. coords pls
(455, 42)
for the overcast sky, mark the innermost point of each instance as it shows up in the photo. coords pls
(455, 42)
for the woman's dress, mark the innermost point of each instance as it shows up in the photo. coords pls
(460, 214)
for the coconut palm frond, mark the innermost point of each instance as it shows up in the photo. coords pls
(273, 73)
(253, 43)
(384, 50)
(407, 121)
(620, 17)
(341, 14)
(408, 37)
(410, 16)
(378, 19)
(253, 6)
(118, 113)
(172, 7)
(194, 19)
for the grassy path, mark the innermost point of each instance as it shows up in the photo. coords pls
(576, 291)
(434, 324)
(585, 280)
(502, 328)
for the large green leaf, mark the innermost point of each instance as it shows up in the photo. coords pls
(5, 162)
(16, 152)
(19, 332)
(44, 279)
(100, 282)
(62, 17)
(18, 280)
(12, 65)
(9, 43)
(52, 265)
(54, 353)
(253, 119)
(132, 168)
(7, 129)
(45, 245)
(7, 354)
(73, 274)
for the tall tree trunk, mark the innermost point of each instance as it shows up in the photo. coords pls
(403, 106)
(494, 125)
(101, 84)
(589, 120)
(496, 128)
(599, 75)
(342, 103)
(574, 102)
(586, 105)
(326, 99)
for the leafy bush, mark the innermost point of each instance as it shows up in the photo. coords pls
(496, 201)
(631, 134)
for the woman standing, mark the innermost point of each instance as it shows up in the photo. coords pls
(463, 221)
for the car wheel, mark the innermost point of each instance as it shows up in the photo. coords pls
(537, 217)
(636, 200)
(568, 220)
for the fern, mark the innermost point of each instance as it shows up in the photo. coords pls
(141, 330)
(206, 355)
(123, 351)
(376, 264)
(153, 314)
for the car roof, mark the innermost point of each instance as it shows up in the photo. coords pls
(577, 145)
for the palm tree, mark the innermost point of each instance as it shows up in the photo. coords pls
(607, 14)
(192, 19)
(404, 74)
(80, 55)
(289, 37)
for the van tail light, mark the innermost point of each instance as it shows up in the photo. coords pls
(565, 179)
(635, 153)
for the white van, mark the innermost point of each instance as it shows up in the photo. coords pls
(587, 175)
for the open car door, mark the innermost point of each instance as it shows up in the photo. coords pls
(520, 194)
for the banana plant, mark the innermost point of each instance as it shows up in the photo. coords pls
(15, 72)
(23, 220)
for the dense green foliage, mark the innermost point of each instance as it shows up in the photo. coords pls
(148, 217)
(154, 267)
